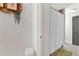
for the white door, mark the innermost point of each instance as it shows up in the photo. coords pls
(56, 30)
(60, 30)
(52, 30)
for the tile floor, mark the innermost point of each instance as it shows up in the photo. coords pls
(61, 52)
(69, 48)
(72, 48)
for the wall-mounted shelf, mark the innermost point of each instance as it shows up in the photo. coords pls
(11, 7)
(1, 4)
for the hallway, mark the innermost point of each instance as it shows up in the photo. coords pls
(67, 50)
(72, 48)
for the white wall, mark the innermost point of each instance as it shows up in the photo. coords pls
(14, 38)
(76, 13)
(27, 24)
(68, 26)
(59, 6)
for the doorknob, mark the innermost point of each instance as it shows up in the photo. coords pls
(40, 37)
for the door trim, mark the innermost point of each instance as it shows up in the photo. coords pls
(37, 26)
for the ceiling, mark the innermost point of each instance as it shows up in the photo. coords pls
(74, 6)
(59, 6)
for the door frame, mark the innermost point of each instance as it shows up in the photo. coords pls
(37, 26)
(40, 22)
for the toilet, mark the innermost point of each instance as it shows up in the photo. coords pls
(29, 51)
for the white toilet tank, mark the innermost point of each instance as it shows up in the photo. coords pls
(29, 51)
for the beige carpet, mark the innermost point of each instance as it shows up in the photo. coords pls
(61, 52)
